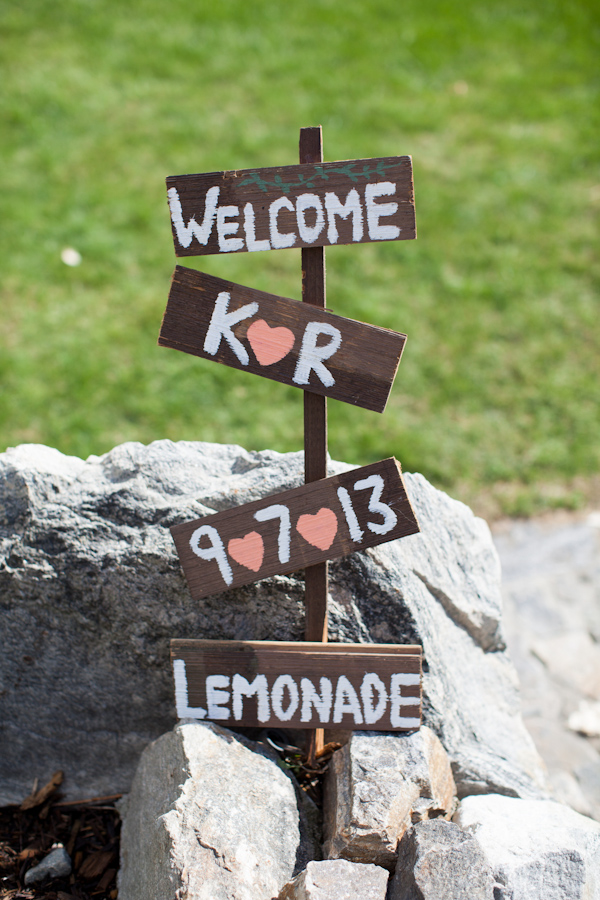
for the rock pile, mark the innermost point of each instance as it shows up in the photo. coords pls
(92, 592)
(211, 816)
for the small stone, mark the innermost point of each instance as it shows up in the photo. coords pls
(211, 816)
(437, 859)
(586, 718)
(337, 879)
(376, 786)
(70, 256)
(56, 865)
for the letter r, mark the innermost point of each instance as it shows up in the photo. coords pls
(311, 357)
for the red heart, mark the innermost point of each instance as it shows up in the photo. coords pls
(319, 529)
(247, 551)
(269, 344)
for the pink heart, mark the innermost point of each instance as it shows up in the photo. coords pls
(247, 551)
(319, 529)
(269, 344)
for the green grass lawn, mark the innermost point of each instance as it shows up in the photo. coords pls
(496, 398)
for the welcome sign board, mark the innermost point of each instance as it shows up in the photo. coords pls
(295, 529)
(248, 210)
(281, 339)
(298, 685)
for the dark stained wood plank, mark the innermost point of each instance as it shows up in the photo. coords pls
(299, 685)
(309, 205)
(295, 529)
(275, 337)
(188, 644)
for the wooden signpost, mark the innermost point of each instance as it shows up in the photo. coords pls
(316, 577)
(312, 205)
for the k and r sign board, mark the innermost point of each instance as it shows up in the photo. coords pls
(353, 201)
(281, 339)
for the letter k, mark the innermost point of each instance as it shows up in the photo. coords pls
(220, 327)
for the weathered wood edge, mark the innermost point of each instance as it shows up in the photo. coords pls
(180, 644)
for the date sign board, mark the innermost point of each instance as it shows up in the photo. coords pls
(298, 685)
(285, 532)
(291, 342)
(312, 205)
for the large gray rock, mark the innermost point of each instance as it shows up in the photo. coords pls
(437, 859)
(551, 589)
(209, 817)
(442, 587)
(91, 592)
(537, 849)
(376, 785)
(337, 879)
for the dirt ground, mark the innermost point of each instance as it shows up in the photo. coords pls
(89, 832)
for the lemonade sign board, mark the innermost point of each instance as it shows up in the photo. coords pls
(273, 684)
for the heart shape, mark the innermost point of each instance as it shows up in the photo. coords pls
(269, 344)
(247, 551)
(319, 529)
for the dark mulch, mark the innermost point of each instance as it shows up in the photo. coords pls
(89, 832)
(309, 776)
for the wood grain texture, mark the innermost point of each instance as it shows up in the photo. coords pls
(308, 205)
(316, 585)
(363, 368)
(343, 665)
(295, 529)
(316, 578)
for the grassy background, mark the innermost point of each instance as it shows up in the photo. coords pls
(496, 396)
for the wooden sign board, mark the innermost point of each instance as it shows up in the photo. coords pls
(282, 339)
(273, 684)
(295, 529)
(317, 205)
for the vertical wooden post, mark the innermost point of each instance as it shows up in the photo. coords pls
(315, 432)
